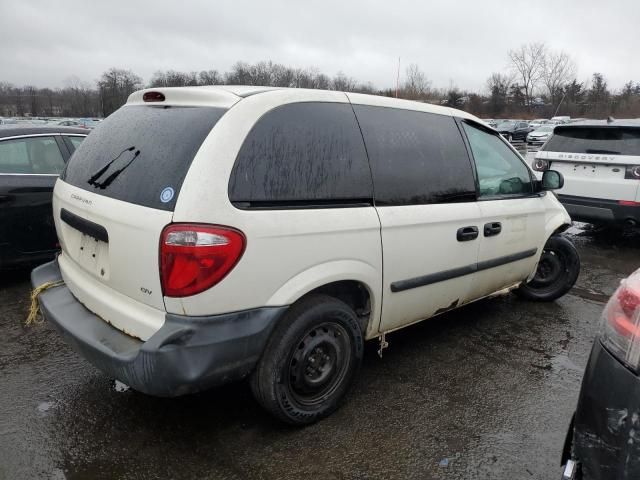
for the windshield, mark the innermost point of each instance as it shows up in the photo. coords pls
(141, 154)
(506, 125)
(607, 140)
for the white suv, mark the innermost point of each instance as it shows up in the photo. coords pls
(600, 161)
(214, 233)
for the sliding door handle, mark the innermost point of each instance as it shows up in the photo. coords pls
(465, 234)
(491, 229)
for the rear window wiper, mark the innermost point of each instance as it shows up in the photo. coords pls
(105, 183)
(595, 150)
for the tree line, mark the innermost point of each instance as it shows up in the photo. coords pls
(536, 82)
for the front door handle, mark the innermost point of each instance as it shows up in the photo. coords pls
(491, 229)
(467, 233)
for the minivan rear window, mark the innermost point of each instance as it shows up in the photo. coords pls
(593, 140)
(141, 154)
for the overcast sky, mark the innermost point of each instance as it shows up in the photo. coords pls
(45, 42)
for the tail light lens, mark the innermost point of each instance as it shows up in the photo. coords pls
(621, 322)
(193, 257)
(632, 172)
(540, 165)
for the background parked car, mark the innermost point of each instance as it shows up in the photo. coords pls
(31, 158)
(66, 123)
(600, 161)
(602, 442)
(540, 135)
(537, 123)
(514, 130)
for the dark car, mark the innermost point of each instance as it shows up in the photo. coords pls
(31, 158)
(603, 441)
(515, 130)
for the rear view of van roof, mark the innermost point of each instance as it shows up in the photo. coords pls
(225, 96)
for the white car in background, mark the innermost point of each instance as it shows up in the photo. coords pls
(540, 135)
(600, 161)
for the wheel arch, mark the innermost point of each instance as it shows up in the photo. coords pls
(356, 283)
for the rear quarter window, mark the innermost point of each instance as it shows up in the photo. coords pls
(302, 154)
(139, 152)
(594, 140)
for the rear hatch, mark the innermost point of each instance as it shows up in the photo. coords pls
(110, 205)
(594, 160)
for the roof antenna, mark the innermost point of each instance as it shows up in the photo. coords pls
(610, 119)
(398, 78)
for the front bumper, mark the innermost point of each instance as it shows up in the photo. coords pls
(597, 210)
(187, 354)
(606, 433)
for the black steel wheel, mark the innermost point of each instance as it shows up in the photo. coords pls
(557, 271)
(318, 364)
(310, 361)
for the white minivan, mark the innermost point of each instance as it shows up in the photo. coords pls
(214, 233)
(600, 162)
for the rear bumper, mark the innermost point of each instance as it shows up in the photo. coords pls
(596, 210)
(186, 355)
(605, 438)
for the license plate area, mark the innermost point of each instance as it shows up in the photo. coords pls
(93, 255)
(88, 244)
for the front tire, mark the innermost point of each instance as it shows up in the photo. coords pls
(509, 138)
(310, 361)
(557, 271)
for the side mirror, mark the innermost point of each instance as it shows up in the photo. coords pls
(552, 180)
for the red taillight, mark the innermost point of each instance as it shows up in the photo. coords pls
(628, 300)
(153, 97)
(621, 322)
(628, 203)
(195, 257)
(632, 172)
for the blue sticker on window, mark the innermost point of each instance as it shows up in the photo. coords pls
(167, 195)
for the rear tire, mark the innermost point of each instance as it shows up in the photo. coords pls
(310, 361)
(557, 271)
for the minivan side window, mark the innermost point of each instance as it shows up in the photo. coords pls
(301, 155)
(416, 157)
(35, 155)
(500, 171)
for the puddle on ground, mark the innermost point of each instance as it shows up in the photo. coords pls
(119, 387)
(44, 407)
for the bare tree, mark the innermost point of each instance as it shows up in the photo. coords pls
(115, 86)
(499, 86)
(210, 77)
(558, 70)
(416, 86)
(343, 83)
(528, 62)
